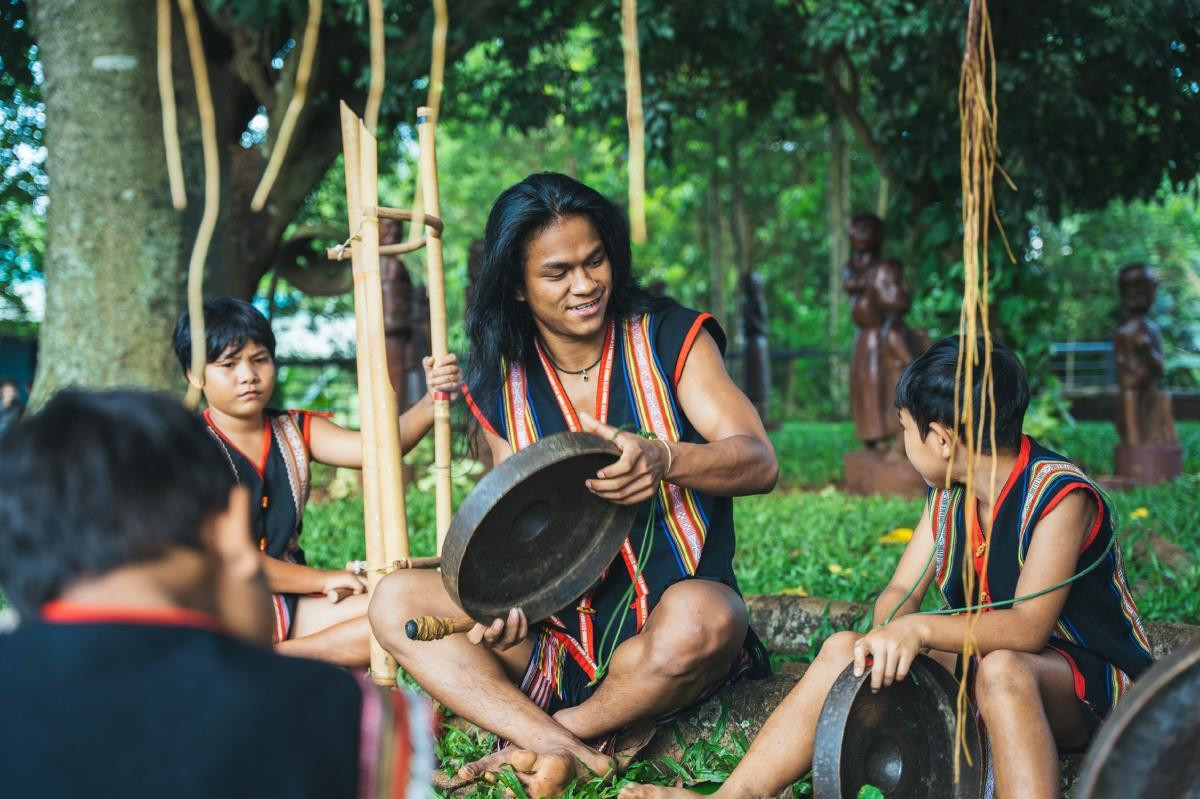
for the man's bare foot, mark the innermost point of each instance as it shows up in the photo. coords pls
(636, 791)
(547, 774)
(477, 768)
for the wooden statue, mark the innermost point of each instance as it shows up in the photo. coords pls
(1149, 451)
(419, 339)
(883, 346)
(757, 366)
(474, 268)
(1143, 409)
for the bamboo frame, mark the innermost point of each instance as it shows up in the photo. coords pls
(436, 284)
(402, 248)
(433, 101)
(636, 121)
(212, 199)
(308, 51)
(378, 65)
(385, 522)
(166, 94)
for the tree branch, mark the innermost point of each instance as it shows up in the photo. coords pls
(846, 100)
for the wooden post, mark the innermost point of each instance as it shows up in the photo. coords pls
(636, 122)
(437, 317)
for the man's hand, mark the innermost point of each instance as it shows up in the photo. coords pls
(635, 476)
(442, 374)
(892, 648)
(501, 634)
(342, 582)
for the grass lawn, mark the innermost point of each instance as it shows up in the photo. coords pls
(809, 537)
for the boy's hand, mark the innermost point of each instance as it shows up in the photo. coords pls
(340, 582)
(501, 634)
(892, 649)
(442, 374)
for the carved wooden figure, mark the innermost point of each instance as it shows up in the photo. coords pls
(1143, 409)
(757, 367)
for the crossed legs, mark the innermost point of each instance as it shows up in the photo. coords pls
(688, 642)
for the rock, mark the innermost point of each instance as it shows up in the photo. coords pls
(787, 623)
(1168, 553)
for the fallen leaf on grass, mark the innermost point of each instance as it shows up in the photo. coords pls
(836, 569)
(798, 590)
(900, 535)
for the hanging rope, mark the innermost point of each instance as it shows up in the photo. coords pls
(636, 121)
(166, 94)
(212, 197)
(433, 101)
(308, 51)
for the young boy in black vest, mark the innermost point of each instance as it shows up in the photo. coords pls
(141, 666)
(270, 452)
(1053, 657)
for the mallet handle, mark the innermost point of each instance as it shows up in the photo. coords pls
(435, 628)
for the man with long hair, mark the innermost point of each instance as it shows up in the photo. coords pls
(564, 338)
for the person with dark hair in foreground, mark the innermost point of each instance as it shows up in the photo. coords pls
(1049, 668)
(142, 666)
(269, 451)
(564, 338)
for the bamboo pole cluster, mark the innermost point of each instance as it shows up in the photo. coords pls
(385, 520)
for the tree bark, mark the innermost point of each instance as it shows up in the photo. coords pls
(113, 283)
(716, 244)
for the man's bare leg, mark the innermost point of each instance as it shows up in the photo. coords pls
(473, 682)
(1028, 704)
(782, 751)
(687, 644)
(336, 633)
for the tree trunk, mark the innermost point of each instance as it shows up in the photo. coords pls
(839, 252)
(116, 250)
(112, 238)
(716, 243)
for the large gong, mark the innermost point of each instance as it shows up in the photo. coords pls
(531, 535)
(1150, 746)
(900, 740)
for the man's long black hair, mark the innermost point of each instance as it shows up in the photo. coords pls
(498, 325)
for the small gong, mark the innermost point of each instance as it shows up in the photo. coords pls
(531, 535)
(900, 740)
(1150, 745)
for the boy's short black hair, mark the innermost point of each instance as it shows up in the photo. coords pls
(926, 391)
(228, 324)
(99, 480)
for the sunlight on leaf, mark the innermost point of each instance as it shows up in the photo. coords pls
(900, 535)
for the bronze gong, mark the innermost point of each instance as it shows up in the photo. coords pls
(900, 740)
(531, 535)
(1150, 746)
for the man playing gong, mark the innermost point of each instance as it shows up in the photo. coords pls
(564, 338)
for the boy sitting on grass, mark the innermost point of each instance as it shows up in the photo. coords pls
(142, 666)
(269, 452)
(1048, 668)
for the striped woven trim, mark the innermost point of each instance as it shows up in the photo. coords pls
(395, 745)
(655, 410)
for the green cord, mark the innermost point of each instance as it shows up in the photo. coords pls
(1004, 602)
(622, 607)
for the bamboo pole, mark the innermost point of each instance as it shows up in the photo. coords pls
(378, 64)
(383, 667)
(436, 284)
(295, 105)
(212, 198)
(637, 124)
(166, 94)
(433, 102)
(383, 397)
